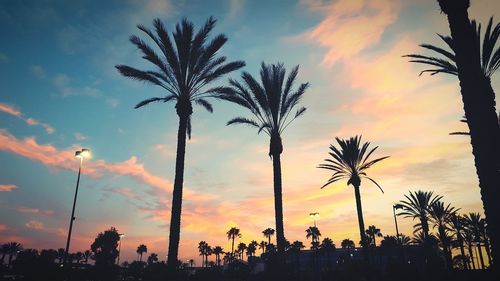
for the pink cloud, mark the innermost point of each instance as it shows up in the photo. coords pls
(350, 27)
(7, 187)
(9, 110)
(30, 121)
(35, 211)
(34, 225)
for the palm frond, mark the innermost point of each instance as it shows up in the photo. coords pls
(205, 104)
(243, 120)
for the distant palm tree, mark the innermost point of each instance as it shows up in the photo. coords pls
(241, 249)
(441, 218)
(183, 70)
(313, 233)
(271, 104)
(457, 224)
(3, 250)
(205, 251)
(217, 250)
(469, 239)
(87, 255)
(231, 235)
(421, 239)
(12, 249)
(262, 246)
(474, 65)
(485, 238)
(153, 258)
(191, 262)
(141, 249)
(417, 206)
(327, 247)
(268, 232)
(404, 240)
(251, 248)
(295, 248)
(474, 223)
(351, 162)
(347, 244)
(373, 231)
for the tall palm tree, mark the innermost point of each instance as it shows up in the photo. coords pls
(313, 233)
(351, 162)
(441, 218)
(484, 238)
(217, 250)
(469, 238)
(241, 249)
(271, 104)
(231, 235)
(478, 98)
(457, 225)
(251, 248)
(12, 249)
(474, 223)
(184, 70)
(141, 249)
(373, 231)
(268, 232)
(417, 206)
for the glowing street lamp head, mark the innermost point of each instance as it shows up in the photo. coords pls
(83, 153)
(314, 215)
(121, 235)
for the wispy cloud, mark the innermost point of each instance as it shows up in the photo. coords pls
(7, 187)
(28, 210)
(6, 108)
(35, 225)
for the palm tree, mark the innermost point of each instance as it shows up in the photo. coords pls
(271, 105)
(12, 249)
(313, 233)
(351, 162)
(153, 258)
(474, 223)
(441, 218)
(484, 238)
(241, 249)
(457, 224)
(295, 248)
(191, 262)
(262, 246)
(474, 65)
(268, 232)
(327, 246)
(251, 248)
(469, 238)
(87, 255)
(347, 244)
(141, 249)
(420, 238)
(231, 234)
(373, 231)
(3, 250)
(416, 206)
(404, 240)
(205, 251)
(183, 70)
(217, 251)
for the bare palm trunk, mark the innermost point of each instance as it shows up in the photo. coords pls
(471, 255)
(488, 253)
(479, 105)
(278, 204)
(175, 220)
(462, 250)
(361, 222)
(481, 259)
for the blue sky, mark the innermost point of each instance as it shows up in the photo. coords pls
(60, 91)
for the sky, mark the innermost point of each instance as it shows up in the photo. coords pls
(59, 92)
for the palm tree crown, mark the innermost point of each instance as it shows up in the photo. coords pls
(268, 233)
(417, 206)
(313, 233)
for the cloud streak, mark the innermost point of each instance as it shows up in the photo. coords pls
(11, 110)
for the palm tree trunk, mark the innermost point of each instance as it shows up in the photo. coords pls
(481, 259)
(232, 247)
(175, 220)
(462, 250)
(278, 204)
(488, 253)
(360, 215)
(471, 255)
(479, 105)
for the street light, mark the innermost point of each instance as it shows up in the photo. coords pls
(394, 208)
(314, 216)
(121, 235)
(80, 154)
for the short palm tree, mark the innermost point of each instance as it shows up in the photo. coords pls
(251, 248)
(231, 235)
(271, 103)
(263, 245)
(141, 249)
(457, 224)
(313, 233)
(404, 240)
(268, 233)
(351, 162)
(12, 249)
(217, 250)
(474, 223)
(441, 217)
(474, 66)
(184, 69)
(153, 258)
(241, 249)
(417, 206)
(373, 232)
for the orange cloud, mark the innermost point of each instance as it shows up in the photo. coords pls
(34, 225)
(7, 187)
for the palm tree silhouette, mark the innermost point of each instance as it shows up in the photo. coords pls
(205, 251)
(217, 251)
(141, 249)
(351, 162)
(441, 217)
(474, 65)
(251, 248)
(327, 247)
(295, 248)
(417, 206)
(12, 249)
(183, 70)
(271, 105)
(4, 249)
(313, 233)
(231, 234)
(474, 223)
(153, 258)
(262, 246)
(241, 249)
(268, 232)
(457, 224)
(484, 238)
(373, 231)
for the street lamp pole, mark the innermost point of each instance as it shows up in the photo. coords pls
(394, 207)
(120, 247)
(79, 154)
(314, 216)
